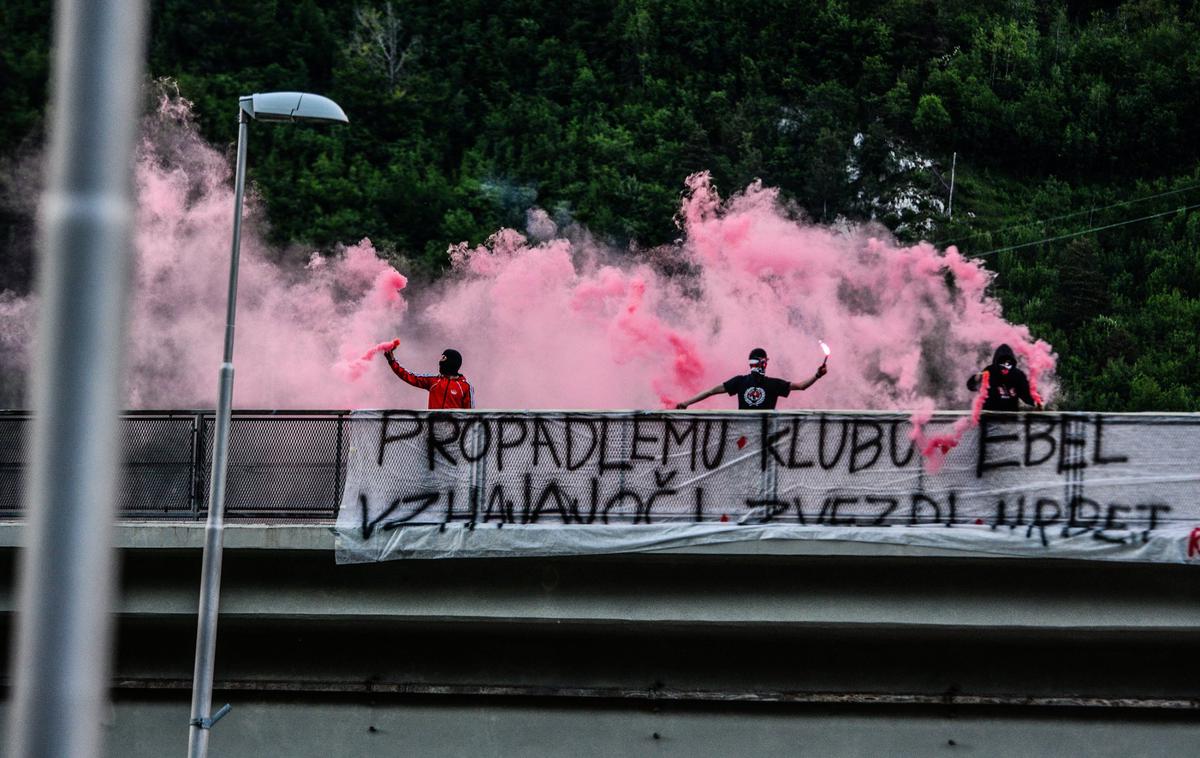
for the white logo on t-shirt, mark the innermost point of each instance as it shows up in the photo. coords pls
(755, 396)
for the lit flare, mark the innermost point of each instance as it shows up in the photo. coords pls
(353, 370)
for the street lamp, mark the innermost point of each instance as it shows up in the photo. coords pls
(269, 106)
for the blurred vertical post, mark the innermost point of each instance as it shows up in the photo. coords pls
(62, 654)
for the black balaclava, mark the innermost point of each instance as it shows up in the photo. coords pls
(1004, 359)
(758, 358)
(450, 363)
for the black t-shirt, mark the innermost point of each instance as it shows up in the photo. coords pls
(756, 392)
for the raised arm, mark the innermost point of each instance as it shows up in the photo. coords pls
(421, 382)
(822, 370)
(706, 393)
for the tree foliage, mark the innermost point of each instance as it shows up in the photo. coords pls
(465, 114)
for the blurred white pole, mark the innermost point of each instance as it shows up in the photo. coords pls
(63, 650)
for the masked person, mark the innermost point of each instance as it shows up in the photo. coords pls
(1007, 385)
(756, 391)
(447, 388)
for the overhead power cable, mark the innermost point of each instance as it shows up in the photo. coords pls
(1043, 222)
(1082, 232)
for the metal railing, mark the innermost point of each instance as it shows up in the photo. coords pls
(284, 465)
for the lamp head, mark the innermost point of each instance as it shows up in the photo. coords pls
(292, 106)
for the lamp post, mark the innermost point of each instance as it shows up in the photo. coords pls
(270, 106)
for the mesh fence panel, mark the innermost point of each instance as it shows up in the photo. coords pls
(280, 466)
(12, 462)
(158, 474)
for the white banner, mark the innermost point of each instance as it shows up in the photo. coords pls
(430, 484)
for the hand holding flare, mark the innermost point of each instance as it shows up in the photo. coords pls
(383, 347)
(353, 370)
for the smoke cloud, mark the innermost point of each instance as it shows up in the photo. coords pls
(554, 319)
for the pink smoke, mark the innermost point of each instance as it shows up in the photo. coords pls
(566, 322)
(354, 370)
(935, 449)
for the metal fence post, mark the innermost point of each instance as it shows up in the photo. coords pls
(337, 469)
(197, 458)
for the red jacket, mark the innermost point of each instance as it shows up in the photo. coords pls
(444, 391)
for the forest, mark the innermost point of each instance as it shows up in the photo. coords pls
(1069, 128)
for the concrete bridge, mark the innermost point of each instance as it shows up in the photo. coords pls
(796, 648)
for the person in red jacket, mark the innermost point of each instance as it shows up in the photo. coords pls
(447, 388)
